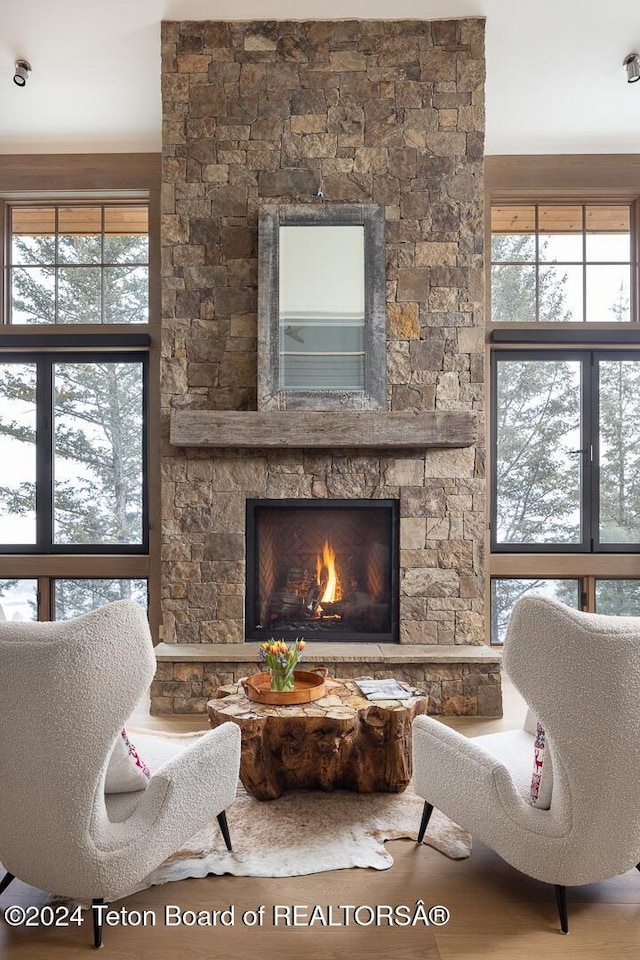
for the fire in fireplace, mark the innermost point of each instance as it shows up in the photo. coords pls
(322, 569)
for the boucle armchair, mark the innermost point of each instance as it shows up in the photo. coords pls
(580, 676)
(66, 691)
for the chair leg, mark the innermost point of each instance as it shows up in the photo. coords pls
(97, 922)
(426, 816)
(6, 880)
(561, 900)
(224, 829)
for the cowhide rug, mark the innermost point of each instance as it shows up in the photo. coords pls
(307, 832)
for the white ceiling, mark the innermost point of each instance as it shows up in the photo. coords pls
(555, 82)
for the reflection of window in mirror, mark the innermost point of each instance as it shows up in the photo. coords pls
(321, 316)
(321, 307)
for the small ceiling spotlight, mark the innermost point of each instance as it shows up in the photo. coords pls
(632, 63)
(23, 69)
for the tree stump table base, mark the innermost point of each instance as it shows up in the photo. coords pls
(341, 742)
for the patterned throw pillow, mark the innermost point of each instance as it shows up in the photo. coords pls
(126, 771)
(542, 777)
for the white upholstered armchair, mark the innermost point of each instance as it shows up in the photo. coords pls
(66, 691)
(580, 675)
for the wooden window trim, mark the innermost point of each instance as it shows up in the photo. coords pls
(112, 176)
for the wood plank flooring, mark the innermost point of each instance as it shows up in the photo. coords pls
(496, 913)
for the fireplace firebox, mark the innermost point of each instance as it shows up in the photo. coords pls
(322, 570)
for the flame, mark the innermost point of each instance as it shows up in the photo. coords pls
(327, 562)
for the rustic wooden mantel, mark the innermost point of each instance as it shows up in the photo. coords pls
(304, 429)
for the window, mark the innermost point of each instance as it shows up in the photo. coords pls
(63, 599)
(18, 599)
(78, 339)
(564, 389)
(78, 264)
(567, 451)
(505, 592)
(72, 439)
(73, 598)
(621, 598)
(560, 263)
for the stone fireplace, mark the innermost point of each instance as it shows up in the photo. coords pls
(384, 112)
(325, 570)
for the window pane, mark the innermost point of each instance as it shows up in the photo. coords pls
(608, 294)
(126, 294)
(127, 220)
(79, 295)
(607, 218)
(18, 599)
(561, 294)
(98, 453)
(76, 221)
(510, 247)
(562, 219)
(33, 235)
(608, 247)
(620, 598)
(561, 246)
(513, 293)
(505, 593)
(619, 451)
(79, 234)
(73, 598)
(33, 295)
(18, 453)
(513, 218)
(608, 233)
(538, 461)
(79, 249)
(126, 235)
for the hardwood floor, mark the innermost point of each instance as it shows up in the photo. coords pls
(496, 913)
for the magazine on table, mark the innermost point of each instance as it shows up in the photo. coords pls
(383, 689)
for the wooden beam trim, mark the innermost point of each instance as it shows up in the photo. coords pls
(569, 565)
(81, 171)
(590, 176)
(73, 565)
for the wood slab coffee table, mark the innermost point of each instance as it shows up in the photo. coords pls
(341, 742)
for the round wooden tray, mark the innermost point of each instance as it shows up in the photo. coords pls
(308, 685)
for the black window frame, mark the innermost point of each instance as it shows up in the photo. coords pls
(44, 445)
(590, 450)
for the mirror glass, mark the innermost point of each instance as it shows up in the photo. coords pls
(321, 307)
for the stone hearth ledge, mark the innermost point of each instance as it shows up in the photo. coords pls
(460, 680)
(333, 652)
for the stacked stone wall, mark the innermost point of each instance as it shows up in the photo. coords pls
(268, 112)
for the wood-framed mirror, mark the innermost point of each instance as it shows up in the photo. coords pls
(322, 307)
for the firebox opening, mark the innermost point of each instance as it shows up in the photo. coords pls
(322, 569)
